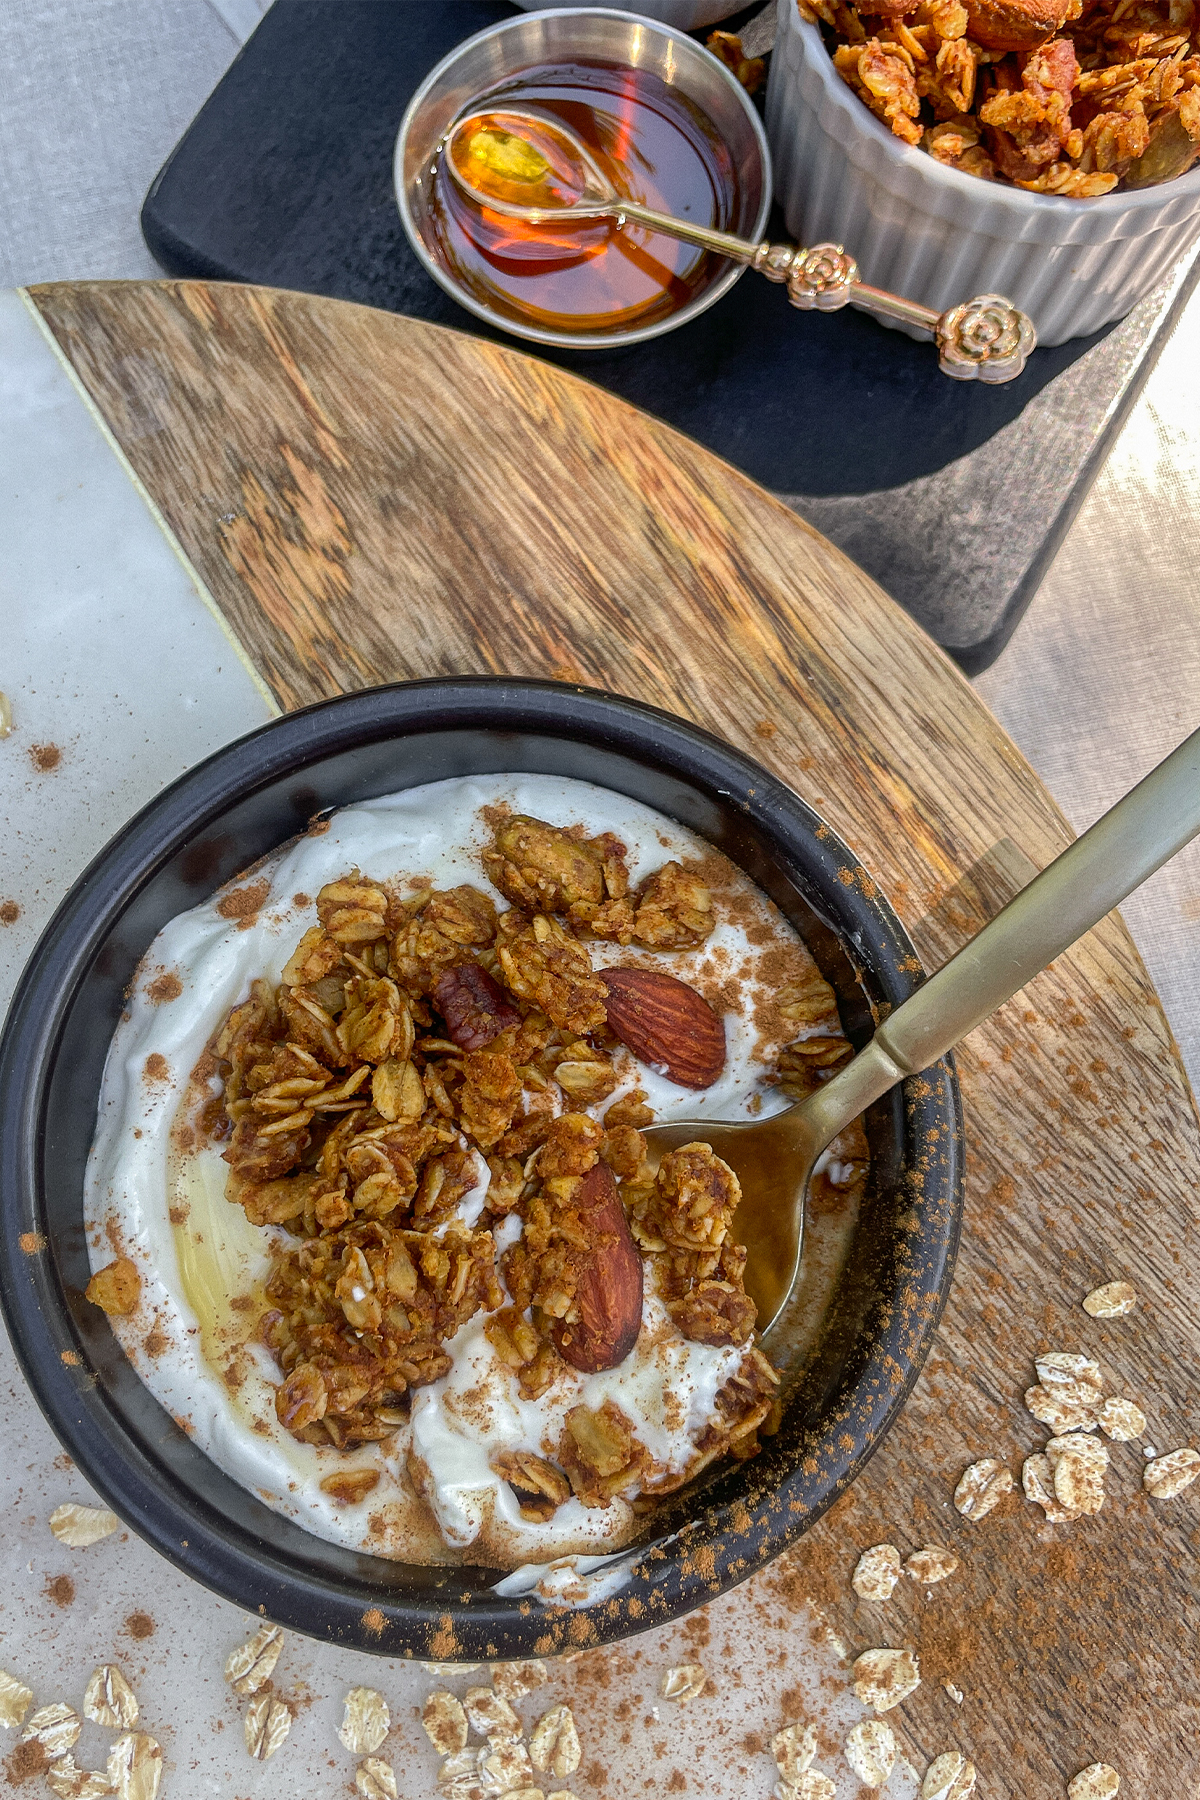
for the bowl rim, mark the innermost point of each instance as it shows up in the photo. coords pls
(903, 157)
(727, 1536)
(575, 340)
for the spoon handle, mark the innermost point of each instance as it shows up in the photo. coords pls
(1120, 851)
(985, 339)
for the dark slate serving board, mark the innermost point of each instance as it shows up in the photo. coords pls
(953, 496)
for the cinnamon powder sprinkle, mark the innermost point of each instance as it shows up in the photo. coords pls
(45, 757)
(10, 912)
(166, 986)
(244, 904)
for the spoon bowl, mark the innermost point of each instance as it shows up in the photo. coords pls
(527, 165)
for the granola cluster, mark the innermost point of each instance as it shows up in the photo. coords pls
(416, 1037)
(1069, 97)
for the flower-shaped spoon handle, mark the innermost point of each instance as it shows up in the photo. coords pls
(985, 339)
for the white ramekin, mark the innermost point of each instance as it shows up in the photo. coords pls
(938, 236)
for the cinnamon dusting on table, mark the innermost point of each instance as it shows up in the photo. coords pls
(45, 757)
(60, 1589)
(10, 912)
(140, 1625)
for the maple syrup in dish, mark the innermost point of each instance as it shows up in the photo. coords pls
(655, 146)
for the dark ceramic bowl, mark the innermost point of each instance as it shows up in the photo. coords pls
(853, 1368)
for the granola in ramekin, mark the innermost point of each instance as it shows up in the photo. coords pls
(419, 1287)
(1059, 97)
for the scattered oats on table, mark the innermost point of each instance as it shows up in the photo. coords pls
(1121, 1420)
(1112, 1301)
(949, 1777)
(871, 1751)
(55, 1727)
(516, 1679)
(1077, 1465)
(445, 1723)
(1065, 1405)
(931, 1564)
(253, 1663)
(109, 1699)
(66, 1779)
(504, 1765)
(489, 1714)
(459, 1776)
(794, 1749)
(883, 1678)
(876, 1572)
(14, 1700)
(1168, 1475)
(687, 1682)
(1097, 1782)
(812, 1785)
(955, 1693)
(376, 1779)
(554, 1742)
(1058, 1368)
(265, 1726)
(982, 1487)
(135, 1766)
(365, 1721)
(1037, 1478)
(79, 1526)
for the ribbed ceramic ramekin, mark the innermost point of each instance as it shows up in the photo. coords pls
(938, 236)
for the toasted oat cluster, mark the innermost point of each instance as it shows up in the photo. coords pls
(415, 1036)
(1069, 97)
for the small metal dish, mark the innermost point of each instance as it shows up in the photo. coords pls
(579, 34)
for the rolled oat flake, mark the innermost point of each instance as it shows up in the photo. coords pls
(365, 1722)
(1112, 1301)
(1168, 1475)
(883, 1678)
(871, 1751)
(949, 1777)
(1097, 1782)
(876, 1572)
(982, 1487)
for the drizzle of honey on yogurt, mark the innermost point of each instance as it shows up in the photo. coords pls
(592, 275)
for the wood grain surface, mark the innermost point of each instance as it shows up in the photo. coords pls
(369, 499)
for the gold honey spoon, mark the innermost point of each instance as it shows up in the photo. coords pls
(774, 1157)
(530, 166)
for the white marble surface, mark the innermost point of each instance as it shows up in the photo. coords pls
(1100, 679)
(114, 657)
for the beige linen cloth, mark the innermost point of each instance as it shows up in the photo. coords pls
(1101, 678)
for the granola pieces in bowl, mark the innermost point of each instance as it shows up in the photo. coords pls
(376, 1164)
(1066, 97)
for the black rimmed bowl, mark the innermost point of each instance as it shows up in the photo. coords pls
(853, 1368)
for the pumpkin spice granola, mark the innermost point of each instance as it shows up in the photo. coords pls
(1067, 97)
(427, 1106)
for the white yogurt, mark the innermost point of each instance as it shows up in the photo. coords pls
(196, 1251)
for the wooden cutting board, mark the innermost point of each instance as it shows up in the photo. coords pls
(368, 499)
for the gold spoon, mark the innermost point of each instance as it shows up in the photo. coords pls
(530, 166)
(773, 1158)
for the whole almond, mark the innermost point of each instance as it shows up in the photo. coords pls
(609, 1294)
(667, 1023)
